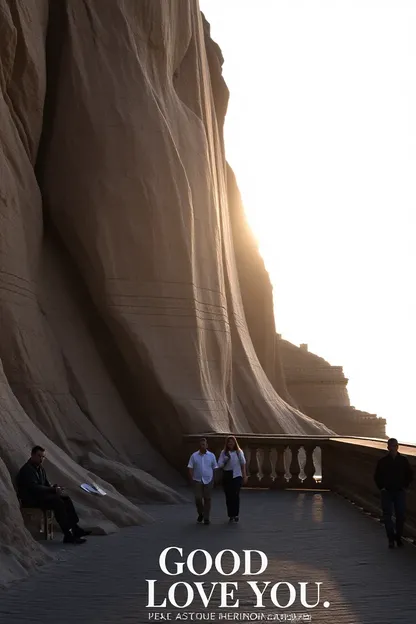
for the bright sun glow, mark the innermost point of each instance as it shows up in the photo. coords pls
(321, 132)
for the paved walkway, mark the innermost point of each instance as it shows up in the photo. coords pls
(306, 537)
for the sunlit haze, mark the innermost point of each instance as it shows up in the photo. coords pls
(321, 132)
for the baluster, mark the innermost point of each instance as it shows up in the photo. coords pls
(329, 467)
(280, 481)
(294, 466)
(273, 460)
(309, 468)
(302, 463)
(253, 468)
(317, 462)
(266, 469)
(247, 457)
(287, 458)
(260, 455)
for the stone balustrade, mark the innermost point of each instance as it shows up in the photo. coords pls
(343, 465)
(274, 461)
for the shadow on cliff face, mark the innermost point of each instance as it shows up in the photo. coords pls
(97, 374)
(114, 354)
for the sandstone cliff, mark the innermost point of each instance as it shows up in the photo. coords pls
(122, 324)
(320, 390)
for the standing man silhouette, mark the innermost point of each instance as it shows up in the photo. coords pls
(201, 468)
(393, 476)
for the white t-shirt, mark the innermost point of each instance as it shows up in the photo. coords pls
(203, 465)
(236, 461)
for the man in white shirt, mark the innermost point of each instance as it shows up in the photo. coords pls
(201, 468)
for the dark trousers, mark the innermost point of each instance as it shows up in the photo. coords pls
(62, 507)
(232, 487)
(393, 502)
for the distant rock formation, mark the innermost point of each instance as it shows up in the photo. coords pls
(122, 323)
(320, 390)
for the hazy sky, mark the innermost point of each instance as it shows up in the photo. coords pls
(321, 132)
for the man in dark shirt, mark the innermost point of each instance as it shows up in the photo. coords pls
(34, 490)
(393, 476)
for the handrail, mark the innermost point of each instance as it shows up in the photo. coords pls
(287, 436)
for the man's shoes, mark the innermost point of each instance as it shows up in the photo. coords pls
(79, 532)
(231, 520)
(206, 521)
(236, 519)
(72, 539)
(79, 540)
(391, 543)
(399, 542)
(200, 518)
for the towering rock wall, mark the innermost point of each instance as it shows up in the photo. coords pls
(121, 319)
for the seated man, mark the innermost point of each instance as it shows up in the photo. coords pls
(34, 490)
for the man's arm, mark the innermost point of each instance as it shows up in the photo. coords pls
(215, 472)
(408, 474)
(27, 480)
(46, 478)
(191, 468)
(214, 462)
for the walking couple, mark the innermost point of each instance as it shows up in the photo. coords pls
(202, 466)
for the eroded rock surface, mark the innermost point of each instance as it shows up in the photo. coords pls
(121, 319)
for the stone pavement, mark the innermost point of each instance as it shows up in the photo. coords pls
(309, 537)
